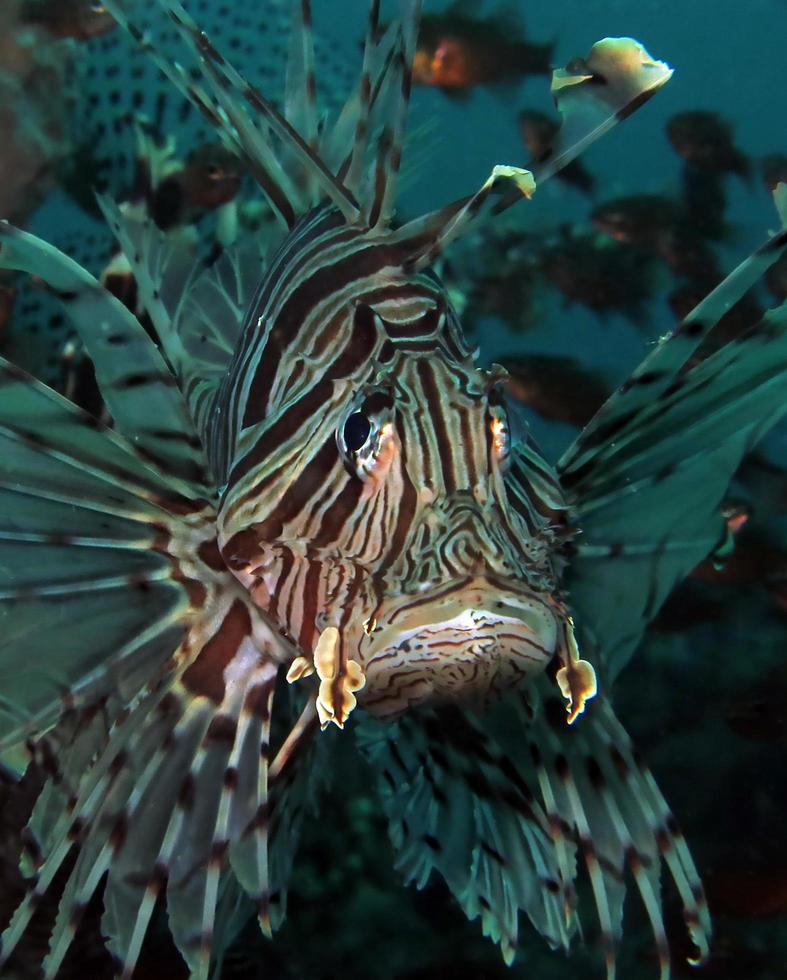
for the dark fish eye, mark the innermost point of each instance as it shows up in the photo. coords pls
(501, 433)
(364, 433)
(356, 431)
(508, 427)
(500, 427)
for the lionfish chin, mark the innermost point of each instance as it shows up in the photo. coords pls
(310, 479)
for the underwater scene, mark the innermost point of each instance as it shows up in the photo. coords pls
(393, 489)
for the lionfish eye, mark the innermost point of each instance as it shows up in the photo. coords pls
(356, 431)
(499, 427)
(363, 432)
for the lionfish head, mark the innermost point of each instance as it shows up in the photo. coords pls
(367, 505)
(381, 530)
(461, 581)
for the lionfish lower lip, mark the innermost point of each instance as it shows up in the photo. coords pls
(474, 633)
(466, 605)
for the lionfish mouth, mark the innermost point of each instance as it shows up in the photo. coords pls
(464, 642)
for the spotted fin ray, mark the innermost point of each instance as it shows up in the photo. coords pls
(92, 512)
(604, 805)
(113, 85)
(185, 779)
(111, 88)
(114, 339)
(592, 94)
(165, 671)
(508, 827)
(174, 776)
(197, 307)
(458, 805)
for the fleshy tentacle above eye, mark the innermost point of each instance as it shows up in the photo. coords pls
(592, 94)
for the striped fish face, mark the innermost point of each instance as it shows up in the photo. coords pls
(464, 588)
(366, 484)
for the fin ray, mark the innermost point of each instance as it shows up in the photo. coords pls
(223, 78)
(114, 339)
(92, 511)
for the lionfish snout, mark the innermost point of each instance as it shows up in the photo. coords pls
(466, 534)
(465, 639)
(463, 615)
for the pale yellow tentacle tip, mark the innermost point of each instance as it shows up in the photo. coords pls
(300, 667)
(339, 678)
(576, 679)
(780, 200)
(577, 684)
(326, 715)
(266, 926)
(522, 179)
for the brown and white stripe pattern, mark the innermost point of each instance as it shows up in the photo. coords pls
(433, 550)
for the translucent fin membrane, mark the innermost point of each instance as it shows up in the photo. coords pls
(439, 229)
(660, 368)
(178, 790)
(389, 152)
(222, 78)
(656, 440)
(246, 136)
(355, 163)
(135, 381)
(459, 801)
(357, 131)
(300, 99)
(458, 805)
(295, 164)
(86, 567)
(602, 802)
(164, 670)
(593, 94)
(163, 683)
(197, 309)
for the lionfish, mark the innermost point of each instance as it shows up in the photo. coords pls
(309, 480)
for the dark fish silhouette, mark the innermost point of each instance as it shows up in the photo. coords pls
(774, 170)
(740, 317)
(645, 220)
(750, 892)
(760, 713)
(776, 280)
(538, 132)
(704, 141)
(78, 19)
(458, 50)
(602, 275)
(557, 387)
(312, 487)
